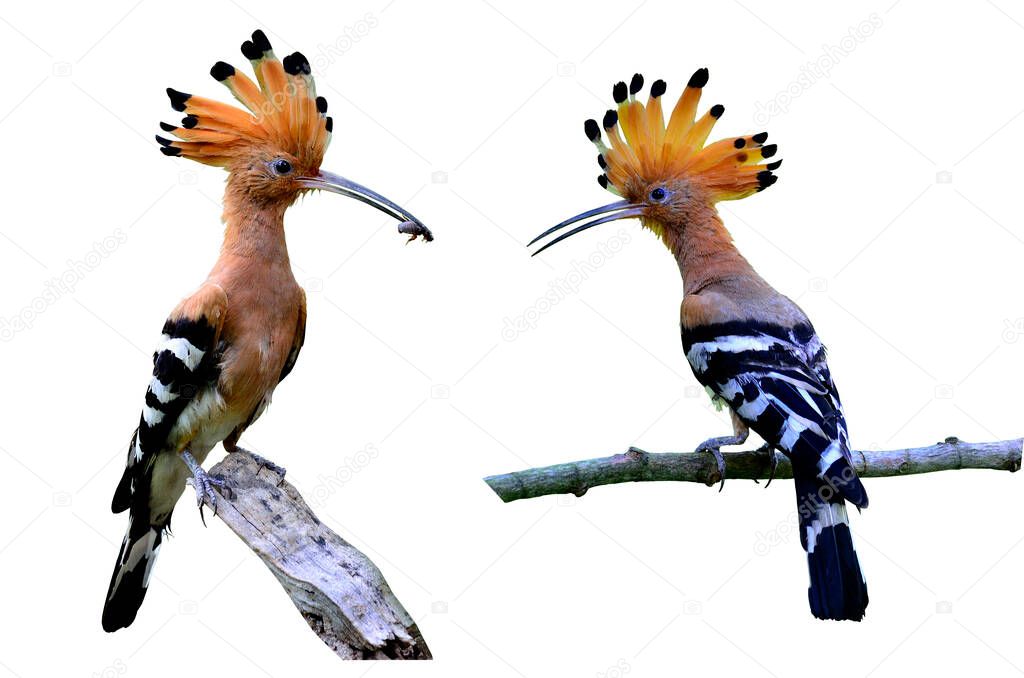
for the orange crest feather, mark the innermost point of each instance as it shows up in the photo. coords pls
(282, 112)
(648, 150)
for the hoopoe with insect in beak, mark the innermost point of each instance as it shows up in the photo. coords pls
(225, 349)
(751, 346)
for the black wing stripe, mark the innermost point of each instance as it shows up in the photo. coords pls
(183, 364)
(199, 332)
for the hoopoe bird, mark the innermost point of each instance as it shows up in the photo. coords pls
(225, 349)
(752, 347)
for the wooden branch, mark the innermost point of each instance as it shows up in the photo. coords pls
(339, 592)
(635, 465)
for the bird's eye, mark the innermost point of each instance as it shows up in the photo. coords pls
(282, 166)
(658, 194)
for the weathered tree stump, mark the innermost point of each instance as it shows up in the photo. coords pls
(338, 590)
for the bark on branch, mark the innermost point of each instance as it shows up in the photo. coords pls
(338, 591)
(635, 465)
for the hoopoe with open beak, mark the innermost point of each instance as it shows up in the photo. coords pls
(750, 345)
(225, 349)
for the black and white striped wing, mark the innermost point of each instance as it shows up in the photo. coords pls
(184, 363)
(819, 365)
(777, 381)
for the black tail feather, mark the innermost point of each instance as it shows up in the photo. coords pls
(837, 588)
(130, 579)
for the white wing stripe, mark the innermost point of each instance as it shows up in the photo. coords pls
(791, 431)
(753, 409)
(734, 343)
(152, 416)
(793, 419)
(162, 392)
(183, 349)
(830, 456)
(809, 401)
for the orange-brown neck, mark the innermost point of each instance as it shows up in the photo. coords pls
(254, 229)
(704, 250)
(254, 271)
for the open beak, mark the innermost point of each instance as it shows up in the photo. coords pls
(622, 209)
(326, 181)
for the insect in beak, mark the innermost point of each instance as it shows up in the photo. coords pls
(326, 181)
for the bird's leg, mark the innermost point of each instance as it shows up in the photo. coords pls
(772, 461)
(204, 484)
(714, 445)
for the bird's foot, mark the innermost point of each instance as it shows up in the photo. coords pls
(205, 485)
(714, 445)
(264, 463)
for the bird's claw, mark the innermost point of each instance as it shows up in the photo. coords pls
(205, 485)
(773, 462)
(715, 450)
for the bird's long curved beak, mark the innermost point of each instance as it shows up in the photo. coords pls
(327, 181)
(621, 209)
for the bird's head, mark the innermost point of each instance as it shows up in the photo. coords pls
(664, 173)
(272, 150)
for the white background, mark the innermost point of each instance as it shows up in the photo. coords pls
(896, 225)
